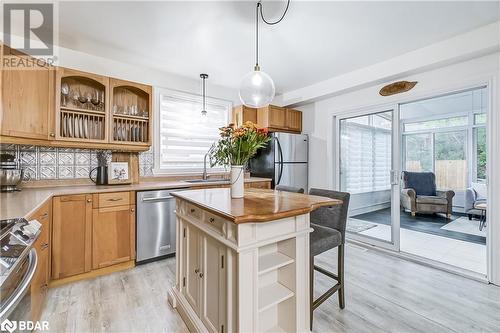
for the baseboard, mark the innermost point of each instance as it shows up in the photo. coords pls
(188, 315)
(93, 274)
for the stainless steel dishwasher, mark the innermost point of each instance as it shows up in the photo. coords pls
(155, 225)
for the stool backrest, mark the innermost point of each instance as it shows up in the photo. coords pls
(289, 189)
(334, 217)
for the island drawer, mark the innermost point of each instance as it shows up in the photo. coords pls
(215, 222)
(193, 211)
(113, 199)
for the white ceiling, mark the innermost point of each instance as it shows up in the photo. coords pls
(315, 41)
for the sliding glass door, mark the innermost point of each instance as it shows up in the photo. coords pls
(367, 170)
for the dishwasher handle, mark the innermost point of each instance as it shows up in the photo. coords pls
(157, 198)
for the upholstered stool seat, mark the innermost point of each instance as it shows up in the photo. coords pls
(323, 239)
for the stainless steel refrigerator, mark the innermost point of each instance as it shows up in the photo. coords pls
(284, 160)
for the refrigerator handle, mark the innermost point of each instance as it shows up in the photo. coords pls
(280, 161)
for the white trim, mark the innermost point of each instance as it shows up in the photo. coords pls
(394, 243)
(493, 162)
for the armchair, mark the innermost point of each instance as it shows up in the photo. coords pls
(474, 195)
(419, 194)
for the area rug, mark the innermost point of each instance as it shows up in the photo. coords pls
(356, 226)
(463, 225)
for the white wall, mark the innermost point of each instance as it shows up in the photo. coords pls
(319, 124)
(109, 67)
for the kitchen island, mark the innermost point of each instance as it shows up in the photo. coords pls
(243, 264)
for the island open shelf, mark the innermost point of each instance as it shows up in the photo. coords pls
(243, 264)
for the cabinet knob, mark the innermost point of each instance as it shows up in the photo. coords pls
(192, 210)
(132, 210)
(212, 220)
(197, 270)
(44, 246)
(89, 200)
(52, 135)
(201, 275)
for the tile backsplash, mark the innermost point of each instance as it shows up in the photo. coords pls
(45, 163)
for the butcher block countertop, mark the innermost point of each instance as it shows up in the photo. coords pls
(258, 205)
(27, 201)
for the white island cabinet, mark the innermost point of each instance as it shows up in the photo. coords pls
(243, 264)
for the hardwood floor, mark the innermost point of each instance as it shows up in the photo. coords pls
(383, 294)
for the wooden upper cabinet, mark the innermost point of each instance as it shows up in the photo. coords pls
(294, 120)
(71, 235)
(81, 106)
(27, 95)
(131, 113)
(113, 235)
(242, 113)
(275, 118)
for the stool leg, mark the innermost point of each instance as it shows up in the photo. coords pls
(341, 275)
(311, 292)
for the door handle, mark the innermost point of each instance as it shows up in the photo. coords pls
(155, 199)
(394, 177)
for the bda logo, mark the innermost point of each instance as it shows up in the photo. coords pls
(8, 325)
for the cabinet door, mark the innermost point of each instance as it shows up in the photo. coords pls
(27, 100)
(276, 117)
(71, 235)
(213, 281)
(294, 120)
(193, 270)
(39, 284)
(113, 235)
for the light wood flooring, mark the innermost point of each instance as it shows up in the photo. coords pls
(383, 294)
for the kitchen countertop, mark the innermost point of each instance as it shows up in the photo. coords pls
(258, 205)
(27, 201)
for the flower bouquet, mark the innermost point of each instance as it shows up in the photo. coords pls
(235, 148)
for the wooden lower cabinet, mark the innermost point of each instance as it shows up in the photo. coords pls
(264, 184)
(204, 277)
(113, 235)
(39, 284)
(71, 235)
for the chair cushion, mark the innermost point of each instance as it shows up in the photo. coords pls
(481, 191)
(426, 199)
(424, 183)
(323, 239)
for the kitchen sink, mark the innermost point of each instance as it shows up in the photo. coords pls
(206, 181)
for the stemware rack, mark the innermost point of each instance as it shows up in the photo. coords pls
(95, 108)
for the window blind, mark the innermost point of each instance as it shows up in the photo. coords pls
(366, 158)
(184, 136)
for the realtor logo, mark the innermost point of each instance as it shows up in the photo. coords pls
(8, 326)
(29, 27)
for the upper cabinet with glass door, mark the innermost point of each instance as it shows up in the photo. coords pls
(131, 114)
(81, 106)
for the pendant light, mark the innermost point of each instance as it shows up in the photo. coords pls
(257, 88)
(204, 109)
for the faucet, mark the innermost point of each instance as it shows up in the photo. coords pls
(205, 175)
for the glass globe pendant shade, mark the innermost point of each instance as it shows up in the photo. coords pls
(256, 89)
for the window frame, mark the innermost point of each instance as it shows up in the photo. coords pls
(157, 93)
(470, 141)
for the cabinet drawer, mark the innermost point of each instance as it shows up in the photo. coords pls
(215, 222)
(193, 211)
(113, 199)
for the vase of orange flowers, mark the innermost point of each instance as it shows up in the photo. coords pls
(235, 148)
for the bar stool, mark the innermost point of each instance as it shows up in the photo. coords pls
(289, 189)
(329, 224)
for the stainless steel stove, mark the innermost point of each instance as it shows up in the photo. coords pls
(18, 262)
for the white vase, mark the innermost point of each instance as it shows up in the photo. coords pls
(237, 181)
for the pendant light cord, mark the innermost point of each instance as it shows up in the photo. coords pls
(204, 94)
(257, 11)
